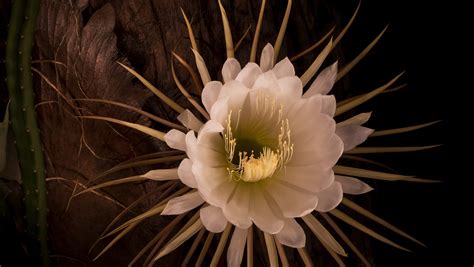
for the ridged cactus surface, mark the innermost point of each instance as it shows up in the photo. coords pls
(24, 125)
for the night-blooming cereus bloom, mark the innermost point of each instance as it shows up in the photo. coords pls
(266, 155)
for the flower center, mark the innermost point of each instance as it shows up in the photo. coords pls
(249, 160)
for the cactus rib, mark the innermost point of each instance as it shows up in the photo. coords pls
(24, 125)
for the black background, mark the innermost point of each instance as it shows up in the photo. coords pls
(425, 38)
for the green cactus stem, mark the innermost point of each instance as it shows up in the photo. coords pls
(25, 128)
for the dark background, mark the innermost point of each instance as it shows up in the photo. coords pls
(423, 40)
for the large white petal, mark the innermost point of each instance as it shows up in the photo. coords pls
(293, 201)
(220, 110)
(237, 208)
(209, 178)
(249, 74)
(324, 82)
(191, 142)
(232, 88)
(266, 58)
(330, 197)
(292, 234)
(232, 97)
(210, 158)
(182, 204)
(220, 195)
(353, 135)
(308, 178)
(248, 114)
(324, 158)
(162, 175)
(267, 82)
(175, 139)
(188, 119)
(213, 219)
(185, 173)
(236, 247)
(352, 185)
(210, 146)
(210, 181)
(312, 133)
(291, 86)
(304, 119)
(329, 105)
(264, 214)
(210, 93)
(230, 69)
(313, 136)
(211, 129)
(286, 90)
(284, 68)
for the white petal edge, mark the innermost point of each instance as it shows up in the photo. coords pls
(324, 82)
(211, 126)
(267, 82)
(330, 197)
(329, 105)
(284, 68)
(213, 185)
(236, 248)
(182, 204)
(291, 87)
(210, 93)
(185, 173)
(191, 142)
(213, 219)
(249, 74)
(353, 135)
(176, 139)
(220, 110)
(266, 58)
(162, 175)
(188, 119)
(230, 69)
(352, 185)
(292, 234)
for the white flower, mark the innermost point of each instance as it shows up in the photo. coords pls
(266, 155)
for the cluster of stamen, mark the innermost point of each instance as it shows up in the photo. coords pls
(251, 167)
